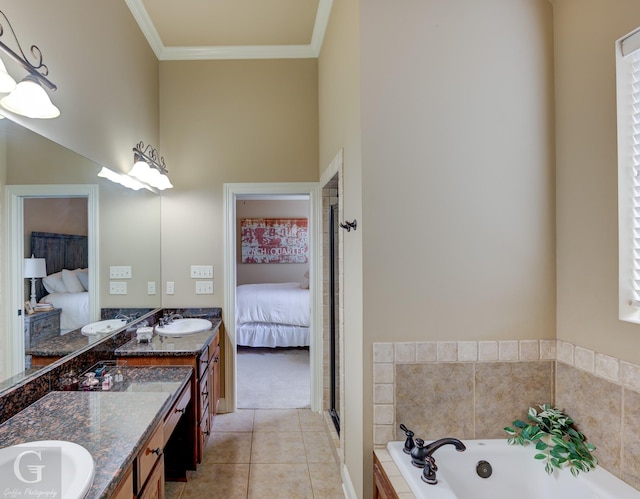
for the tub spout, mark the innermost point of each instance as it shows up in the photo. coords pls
(430, 467)
(436, 444)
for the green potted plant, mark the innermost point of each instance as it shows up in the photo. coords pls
(559, 444)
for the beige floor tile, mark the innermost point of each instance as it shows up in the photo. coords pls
(310, 421)
(228, 447)
(279, 481)
(278, 447)
(240, 420)
(317, 447)
(172, 490)
(223, 481)
(276, 420)
(326, 481)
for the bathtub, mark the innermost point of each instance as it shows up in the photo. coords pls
(515, 474)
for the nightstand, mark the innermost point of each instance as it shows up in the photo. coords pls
(41, 326)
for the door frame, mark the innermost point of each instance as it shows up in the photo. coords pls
(14, 247)
(231, 193)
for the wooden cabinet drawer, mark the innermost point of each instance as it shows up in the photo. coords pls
(147, 458)
(176, 412)
(203, 362)
(204, 392)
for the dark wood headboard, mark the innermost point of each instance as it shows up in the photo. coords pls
(61, 251)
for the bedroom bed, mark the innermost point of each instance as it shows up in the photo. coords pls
(272, 315)
(66, 285)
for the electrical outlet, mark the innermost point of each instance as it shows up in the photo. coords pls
(202, 272)
(170, 287)
(151, 288)
(204, 287)
(117, 288)
(120, 272)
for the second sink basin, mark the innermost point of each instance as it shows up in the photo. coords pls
(182, 327)
(103, 327)
(75, 463)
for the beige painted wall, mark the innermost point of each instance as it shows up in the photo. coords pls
(239, 121)
(339, 102)
(587, 182)
(106, 73)
(248, 273)
(457, 176)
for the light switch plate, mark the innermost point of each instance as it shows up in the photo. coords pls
(202, 272)
(117, 288)
(151, 288)
(204, 287)
(170, 287)
(120, 272)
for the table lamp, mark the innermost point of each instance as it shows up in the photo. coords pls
(34, 268)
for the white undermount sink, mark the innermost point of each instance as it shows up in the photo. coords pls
(20, 465)
(182, 327)
(103, 327)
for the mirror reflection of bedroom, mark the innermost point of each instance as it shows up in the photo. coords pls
(273, 302)
(55, 230)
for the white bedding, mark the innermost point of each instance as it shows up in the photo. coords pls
(74, 306)
(272, 315)
(279, 303)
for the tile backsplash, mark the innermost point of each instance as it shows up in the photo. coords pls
(472, 389)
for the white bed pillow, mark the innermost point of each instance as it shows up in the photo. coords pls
(53, 283)
(83, 276)
(71, 281)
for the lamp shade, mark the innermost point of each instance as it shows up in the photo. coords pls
(29, 99)
(35, 267)
(7, 83)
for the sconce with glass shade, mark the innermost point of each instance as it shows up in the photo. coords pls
(34, 268)
(27, 98)
(149, 167)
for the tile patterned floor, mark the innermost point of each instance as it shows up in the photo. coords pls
(265, 453)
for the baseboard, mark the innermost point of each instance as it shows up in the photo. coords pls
(347, 485)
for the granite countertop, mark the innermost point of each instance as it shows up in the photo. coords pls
(111, 425)
(59, 346)
(170, 346)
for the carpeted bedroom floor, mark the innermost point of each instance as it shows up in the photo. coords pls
(273, 378)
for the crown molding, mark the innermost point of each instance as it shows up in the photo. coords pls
(170, 53)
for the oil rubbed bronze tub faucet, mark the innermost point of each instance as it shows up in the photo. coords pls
(430, 467)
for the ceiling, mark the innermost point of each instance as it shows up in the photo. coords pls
(232, 29)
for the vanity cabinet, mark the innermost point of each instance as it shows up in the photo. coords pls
(382, 488)
(205, 393)
(125, 489)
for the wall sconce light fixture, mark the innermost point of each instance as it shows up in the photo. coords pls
(34, 268)
(120, 178)
(149, 167)
(27, 98)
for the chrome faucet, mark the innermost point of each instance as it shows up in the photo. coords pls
(430, 467)
(123, 317)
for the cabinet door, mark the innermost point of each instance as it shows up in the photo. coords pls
(215, 383)
(125, 489)
(154, 488)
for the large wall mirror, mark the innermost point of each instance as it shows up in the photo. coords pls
(48, 188)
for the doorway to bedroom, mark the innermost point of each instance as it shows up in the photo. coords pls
(273, 305)
(283, 282)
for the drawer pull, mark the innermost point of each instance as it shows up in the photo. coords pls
(205, 394)
(181, 411)
(157, 451)
(216, 360)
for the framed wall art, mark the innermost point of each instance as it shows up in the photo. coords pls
(274, 240)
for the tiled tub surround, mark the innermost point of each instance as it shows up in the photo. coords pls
(472, 390)
(23, 393)
(110, 425)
